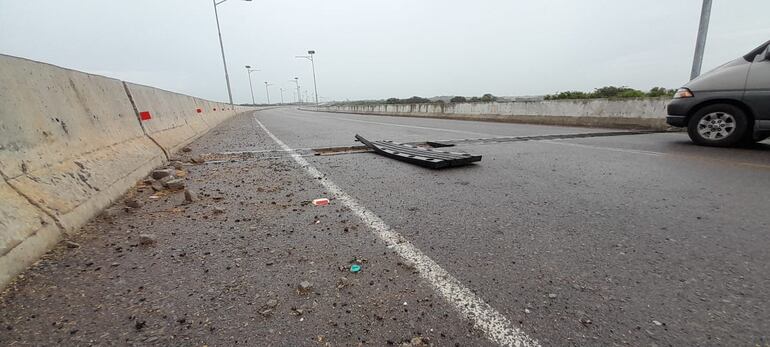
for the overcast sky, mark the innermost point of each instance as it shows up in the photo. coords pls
(381, 49)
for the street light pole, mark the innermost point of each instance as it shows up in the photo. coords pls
(281, 95)
(222, 48)
(312, 63)
(299, 96)
(267, 91)
(700, 43)
(251, 87)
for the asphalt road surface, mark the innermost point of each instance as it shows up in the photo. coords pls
(623, 240)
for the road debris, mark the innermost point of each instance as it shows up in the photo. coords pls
(133, 203)
(425, 157)
(189, 196)
(355, 268)
(160, 173)
(147, 239)
(175, 184)
(305, 287)
(320, 202)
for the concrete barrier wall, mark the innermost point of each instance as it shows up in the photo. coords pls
(648, 113)
(71, 143)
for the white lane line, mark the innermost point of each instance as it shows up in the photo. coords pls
(485, 318)
(613, 149)
(406, 126)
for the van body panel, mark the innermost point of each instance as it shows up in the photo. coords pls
(757, 95)
(728, 77)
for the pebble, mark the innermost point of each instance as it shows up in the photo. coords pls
(156, 186)
(147, 239)
(186, 149)
(218, 209)
(552, 296)
(133, 203)
(189, 196)
(305, 287)
(272, 303)
(160, 173)
(175, 184)
(177, 164)
(657, 323)
(72, 244)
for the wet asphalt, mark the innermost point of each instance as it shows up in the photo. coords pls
(628, 240)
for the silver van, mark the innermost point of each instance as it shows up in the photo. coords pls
(729, 105)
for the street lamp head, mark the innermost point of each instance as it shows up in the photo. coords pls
(310, 52)
(248, 66)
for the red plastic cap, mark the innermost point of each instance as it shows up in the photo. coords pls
(145, 115)
(198, 110)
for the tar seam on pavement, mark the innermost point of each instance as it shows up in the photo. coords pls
(484, 317)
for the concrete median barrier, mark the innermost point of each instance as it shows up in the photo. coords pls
(642, 113)
(71, 143)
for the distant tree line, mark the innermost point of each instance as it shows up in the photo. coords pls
(456, 99)
(611, 92)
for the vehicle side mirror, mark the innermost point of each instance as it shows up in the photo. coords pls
(767, 54)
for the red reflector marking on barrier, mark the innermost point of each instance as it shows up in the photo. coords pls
(198, 110)
(145, 115)
(215, 108)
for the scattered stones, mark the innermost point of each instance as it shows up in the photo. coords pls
(175, 184)
(160, 173)
(305, 287)
(72, 244)
(147, 239)
(156, 186)
(133, 203)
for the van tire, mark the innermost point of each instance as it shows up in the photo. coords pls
(718, 125)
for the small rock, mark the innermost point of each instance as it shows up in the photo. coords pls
(253, 228)
(163, 181)
(586, 321)
(133, 203)
(147, 239)
(158, 174)
(305, 287)
(156, 186)
(657, 323)
(177, 164)
(189, 196)
(175, 184)
(219, 210)
(552, 296)
(272, 303)
(197, 160)
(266, 312)
(72, 244)
(526, 310)
(186, 149)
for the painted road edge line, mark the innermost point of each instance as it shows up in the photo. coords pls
(485, 318)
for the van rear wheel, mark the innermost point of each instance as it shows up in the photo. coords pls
(719, 125)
